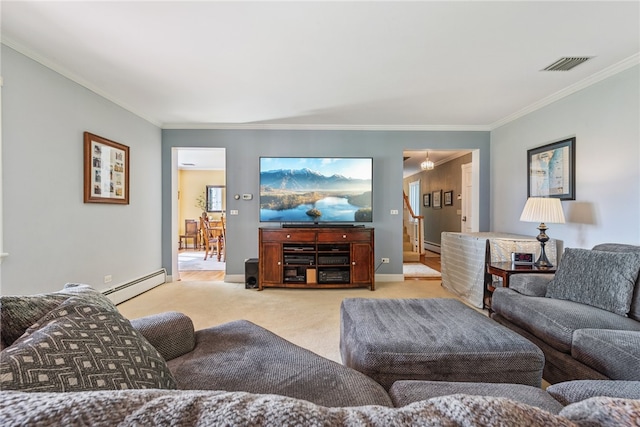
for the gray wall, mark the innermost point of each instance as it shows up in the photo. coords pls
(604, 120)
(244, 147)
(52, 237)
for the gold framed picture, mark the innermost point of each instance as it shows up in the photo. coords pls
(106, 171)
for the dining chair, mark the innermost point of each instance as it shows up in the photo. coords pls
(190, 232)
(211, 238)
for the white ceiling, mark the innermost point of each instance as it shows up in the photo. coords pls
(373, 65)
(201, 158)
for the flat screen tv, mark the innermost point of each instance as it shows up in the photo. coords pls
(316, 189)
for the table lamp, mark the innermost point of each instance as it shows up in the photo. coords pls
(543, 209)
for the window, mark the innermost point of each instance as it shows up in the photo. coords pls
(414, 197)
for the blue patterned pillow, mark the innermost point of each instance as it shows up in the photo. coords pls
(598, 278)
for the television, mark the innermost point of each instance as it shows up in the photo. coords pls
(316, 189)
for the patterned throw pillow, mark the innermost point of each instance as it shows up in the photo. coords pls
(18, 313)
(597, 278)
(80, 346)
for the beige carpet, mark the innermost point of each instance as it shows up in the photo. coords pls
(309, 318)
(416, 269)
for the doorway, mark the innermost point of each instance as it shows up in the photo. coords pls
(198, 175)
(443, 193)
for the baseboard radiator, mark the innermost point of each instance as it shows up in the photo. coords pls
(126, 291)
(431, 246)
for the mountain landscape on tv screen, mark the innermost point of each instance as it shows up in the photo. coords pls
(308, 195)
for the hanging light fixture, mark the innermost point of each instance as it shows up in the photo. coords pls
(427, 165)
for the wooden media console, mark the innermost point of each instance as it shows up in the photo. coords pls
(316, 257)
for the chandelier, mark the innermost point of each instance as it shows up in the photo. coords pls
(427, 165)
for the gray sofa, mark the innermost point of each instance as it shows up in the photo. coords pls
(586, 318)
(69, 358)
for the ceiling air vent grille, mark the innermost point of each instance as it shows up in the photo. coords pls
(567, 63)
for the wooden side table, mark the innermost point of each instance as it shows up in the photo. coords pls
(505, 270)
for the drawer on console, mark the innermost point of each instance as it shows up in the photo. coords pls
(344, 236)
(288, 236)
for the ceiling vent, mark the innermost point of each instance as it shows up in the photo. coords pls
(567, 63)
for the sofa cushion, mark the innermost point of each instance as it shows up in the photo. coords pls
(569, 392)
(554, 320)
(18, 313)
(533, 285)
(634, 312)
(604, 412)
(171, 333)
(616, 354)
(82, 346)
(219, 408)
(599, 278)
(405, 392)
(242, 356)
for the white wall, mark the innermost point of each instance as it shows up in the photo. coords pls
(605, 120)
(52, 237)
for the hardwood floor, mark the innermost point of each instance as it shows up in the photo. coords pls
(202, 276)
(431, 259)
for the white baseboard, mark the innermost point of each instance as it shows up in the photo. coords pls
(433, 247)
(234, 278)
(133, 288)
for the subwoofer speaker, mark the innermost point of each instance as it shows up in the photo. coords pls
(251, 273)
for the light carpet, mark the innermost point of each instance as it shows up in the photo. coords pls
(309, 318)
(194, 261)
(416, 269)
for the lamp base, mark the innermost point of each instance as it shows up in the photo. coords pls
(542, 260)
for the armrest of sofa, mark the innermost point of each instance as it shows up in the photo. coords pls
(574, 391)
(533, 285)
(171, 333)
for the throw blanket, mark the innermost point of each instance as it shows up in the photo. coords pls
(213, 408)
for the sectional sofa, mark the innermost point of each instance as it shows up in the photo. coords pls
(586, 318)
(70, 358)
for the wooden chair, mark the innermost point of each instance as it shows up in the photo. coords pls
(218, 231)
(190, 232)
(212, 238)
(222, 249)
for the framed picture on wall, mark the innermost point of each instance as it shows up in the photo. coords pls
(426, 200)
(551, 170)
(106, 171)
(436, 199)
(448, 198)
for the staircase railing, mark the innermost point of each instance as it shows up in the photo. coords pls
(417, 223)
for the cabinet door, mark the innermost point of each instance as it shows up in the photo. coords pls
(361, 263)
(271, 263)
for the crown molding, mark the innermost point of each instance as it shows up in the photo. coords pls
(623, 65)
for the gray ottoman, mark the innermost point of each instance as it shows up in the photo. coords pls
(435, 339)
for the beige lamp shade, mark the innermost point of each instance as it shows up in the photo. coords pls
(543, 209)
